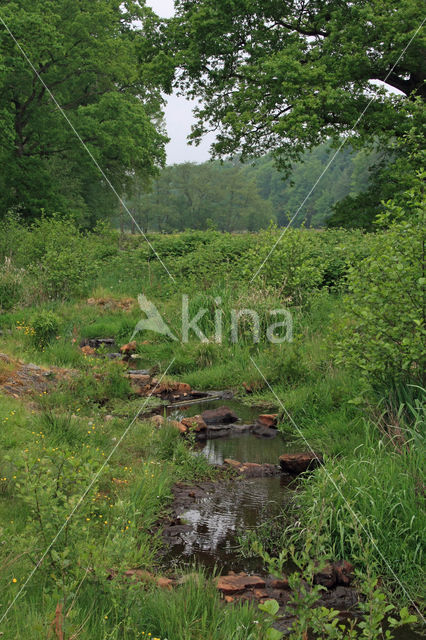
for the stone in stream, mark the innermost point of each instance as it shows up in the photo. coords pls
(221, 415)
(295, 463)
(267, 419)
(252, 469)
(195, 423)
(264, 432)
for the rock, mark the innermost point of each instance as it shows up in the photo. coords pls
(88, 351)
(138, 372)
(335, 573)
(165, 583)
(229, 599)
(235, 464)
(264, 432)
(140, 379)
(279, 583)
(95, 343)
(195, 423)
(108, 418)
(182, 388)
(128, 348)
(232, 583)
(139, 574)
(299, 462)
(268, 419)
(260, 594)
(222, 415)
(344, 572)
(113, 356)
(178, 425)
(252, 469)
(157, 420)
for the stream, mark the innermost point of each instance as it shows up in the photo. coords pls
(212, 515)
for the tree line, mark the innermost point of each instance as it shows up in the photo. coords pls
(232, 196)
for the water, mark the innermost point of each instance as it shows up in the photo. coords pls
(221, 513)
(246, 414)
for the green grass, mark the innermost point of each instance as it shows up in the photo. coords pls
(370, 507)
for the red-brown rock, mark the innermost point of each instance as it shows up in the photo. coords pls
(232, 583)
(268, 419)
(178, 425)
(195, 423)
(88, 351)
(129, 348)
(280, 583)
(251, 469)
(164, 583)
(182, 388)
(222, 415)
(344, 572)
(299, 462)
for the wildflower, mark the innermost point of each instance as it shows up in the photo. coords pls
(14, 580)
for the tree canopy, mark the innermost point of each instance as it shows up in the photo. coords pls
(286, 75)
(97, 65)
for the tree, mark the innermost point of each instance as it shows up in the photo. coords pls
(199, 196)
(97, 65)
(286, 75)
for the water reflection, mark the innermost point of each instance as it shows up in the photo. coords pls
(218, 517)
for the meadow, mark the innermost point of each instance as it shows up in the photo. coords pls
(349, 383)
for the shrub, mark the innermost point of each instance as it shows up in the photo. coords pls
(382, 331)
(45, 326)
(11, 286)
(61, 258)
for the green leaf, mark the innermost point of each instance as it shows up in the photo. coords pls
(270, 606)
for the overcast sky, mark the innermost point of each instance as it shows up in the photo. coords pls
(178, 112)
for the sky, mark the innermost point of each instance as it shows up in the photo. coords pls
(178, 113)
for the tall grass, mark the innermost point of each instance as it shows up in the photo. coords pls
(370, 508)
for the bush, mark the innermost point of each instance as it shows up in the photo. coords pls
(382, 331)
(45, 326)
(11, 286)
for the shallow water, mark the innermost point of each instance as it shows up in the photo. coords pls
(246, 414)
(222, 513)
